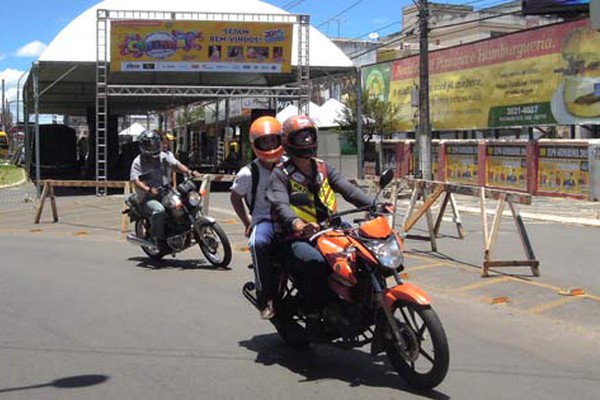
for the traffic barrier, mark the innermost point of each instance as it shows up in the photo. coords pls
(50, 184)
(431, 191)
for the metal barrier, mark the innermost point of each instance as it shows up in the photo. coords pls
(431, 191)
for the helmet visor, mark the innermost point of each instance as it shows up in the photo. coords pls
(303, 137)
(268, 142)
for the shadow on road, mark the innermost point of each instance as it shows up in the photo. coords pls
(320, 362)
(149, 263)
(64, 383)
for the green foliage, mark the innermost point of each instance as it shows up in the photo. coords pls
(190, 115)
(378, 116)
(10, 174)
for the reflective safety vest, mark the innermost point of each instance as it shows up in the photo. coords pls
(299, 183)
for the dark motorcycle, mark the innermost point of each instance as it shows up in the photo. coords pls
(186, 225)
(367, 307)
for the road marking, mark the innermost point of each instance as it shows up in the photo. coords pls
(427, 266)
(482, 284)
(552, 304)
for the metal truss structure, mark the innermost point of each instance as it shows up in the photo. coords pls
(299, 90)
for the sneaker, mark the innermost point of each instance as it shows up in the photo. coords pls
(269, 311)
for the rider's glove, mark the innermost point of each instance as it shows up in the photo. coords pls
(386, 208)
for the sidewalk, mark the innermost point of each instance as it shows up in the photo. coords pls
(551, 209)
(18, 197)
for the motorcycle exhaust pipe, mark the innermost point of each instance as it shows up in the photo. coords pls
(138, 241)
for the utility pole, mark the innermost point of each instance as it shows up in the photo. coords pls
(424, 138)
(3, 111)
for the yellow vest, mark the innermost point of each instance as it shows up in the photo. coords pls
(326, 195)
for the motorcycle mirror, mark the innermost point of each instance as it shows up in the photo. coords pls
(299, 199)
(386, 177)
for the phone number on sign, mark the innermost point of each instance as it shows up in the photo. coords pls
(524, 110)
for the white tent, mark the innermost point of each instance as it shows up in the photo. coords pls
(78, 40)
(314, 112)
(331, 111)
(134, 130)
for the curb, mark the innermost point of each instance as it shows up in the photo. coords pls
(539, 217)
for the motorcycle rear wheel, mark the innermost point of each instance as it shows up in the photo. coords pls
(142, 230)
(214, 244)
(426, 364)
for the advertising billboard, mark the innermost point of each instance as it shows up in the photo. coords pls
(542, 76)
(563, 170)
(506, 166)
(200, 46)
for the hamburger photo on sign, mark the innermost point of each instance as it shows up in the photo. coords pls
(581, 50)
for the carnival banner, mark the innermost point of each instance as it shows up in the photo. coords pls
(543, 76)
(207, 46)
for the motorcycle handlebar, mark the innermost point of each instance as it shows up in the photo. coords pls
(335, 218)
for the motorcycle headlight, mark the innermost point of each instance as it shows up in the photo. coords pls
(194, 198)
(388, 253)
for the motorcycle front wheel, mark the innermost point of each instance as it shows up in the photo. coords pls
(423, 363)
(214, 244)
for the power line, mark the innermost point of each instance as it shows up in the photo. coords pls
(410, 32)
(291, 4)
(379, 29)
(351, 6)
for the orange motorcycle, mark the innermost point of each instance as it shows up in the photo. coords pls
(372, 304)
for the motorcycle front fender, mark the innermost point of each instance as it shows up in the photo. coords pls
(406, 292)
(204, 220)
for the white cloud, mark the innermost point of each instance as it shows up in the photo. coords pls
(11, 77)
(32, 49)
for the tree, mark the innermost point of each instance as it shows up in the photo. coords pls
(190, 115)
(378, 116)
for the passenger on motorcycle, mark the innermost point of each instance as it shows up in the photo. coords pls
(304, 172)
(158, 165)
(250, 186)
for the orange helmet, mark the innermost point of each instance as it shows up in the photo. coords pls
(265, 139)
(300, 136)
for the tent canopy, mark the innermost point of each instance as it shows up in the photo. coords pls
(134, 131)
(67, 68)
(324, 116)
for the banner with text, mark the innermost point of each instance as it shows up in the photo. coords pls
(544, 76)
(207, 46)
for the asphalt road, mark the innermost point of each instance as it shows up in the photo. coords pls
(86, 316)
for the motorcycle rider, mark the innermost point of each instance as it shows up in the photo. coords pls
(249, 187)
(158, 164)
(303, 172)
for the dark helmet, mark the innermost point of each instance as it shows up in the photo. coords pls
(300, 136)
(150, 143)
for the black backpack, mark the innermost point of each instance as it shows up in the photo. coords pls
(255, 177)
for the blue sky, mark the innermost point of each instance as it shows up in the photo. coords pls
(28, 26)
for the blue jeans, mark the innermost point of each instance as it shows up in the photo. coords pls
(262, 246)
(311, 272)
(157, 214)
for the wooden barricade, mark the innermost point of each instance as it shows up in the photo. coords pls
(431, 191)
(50, 184)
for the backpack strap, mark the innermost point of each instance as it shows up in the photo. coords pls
(255, 177)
